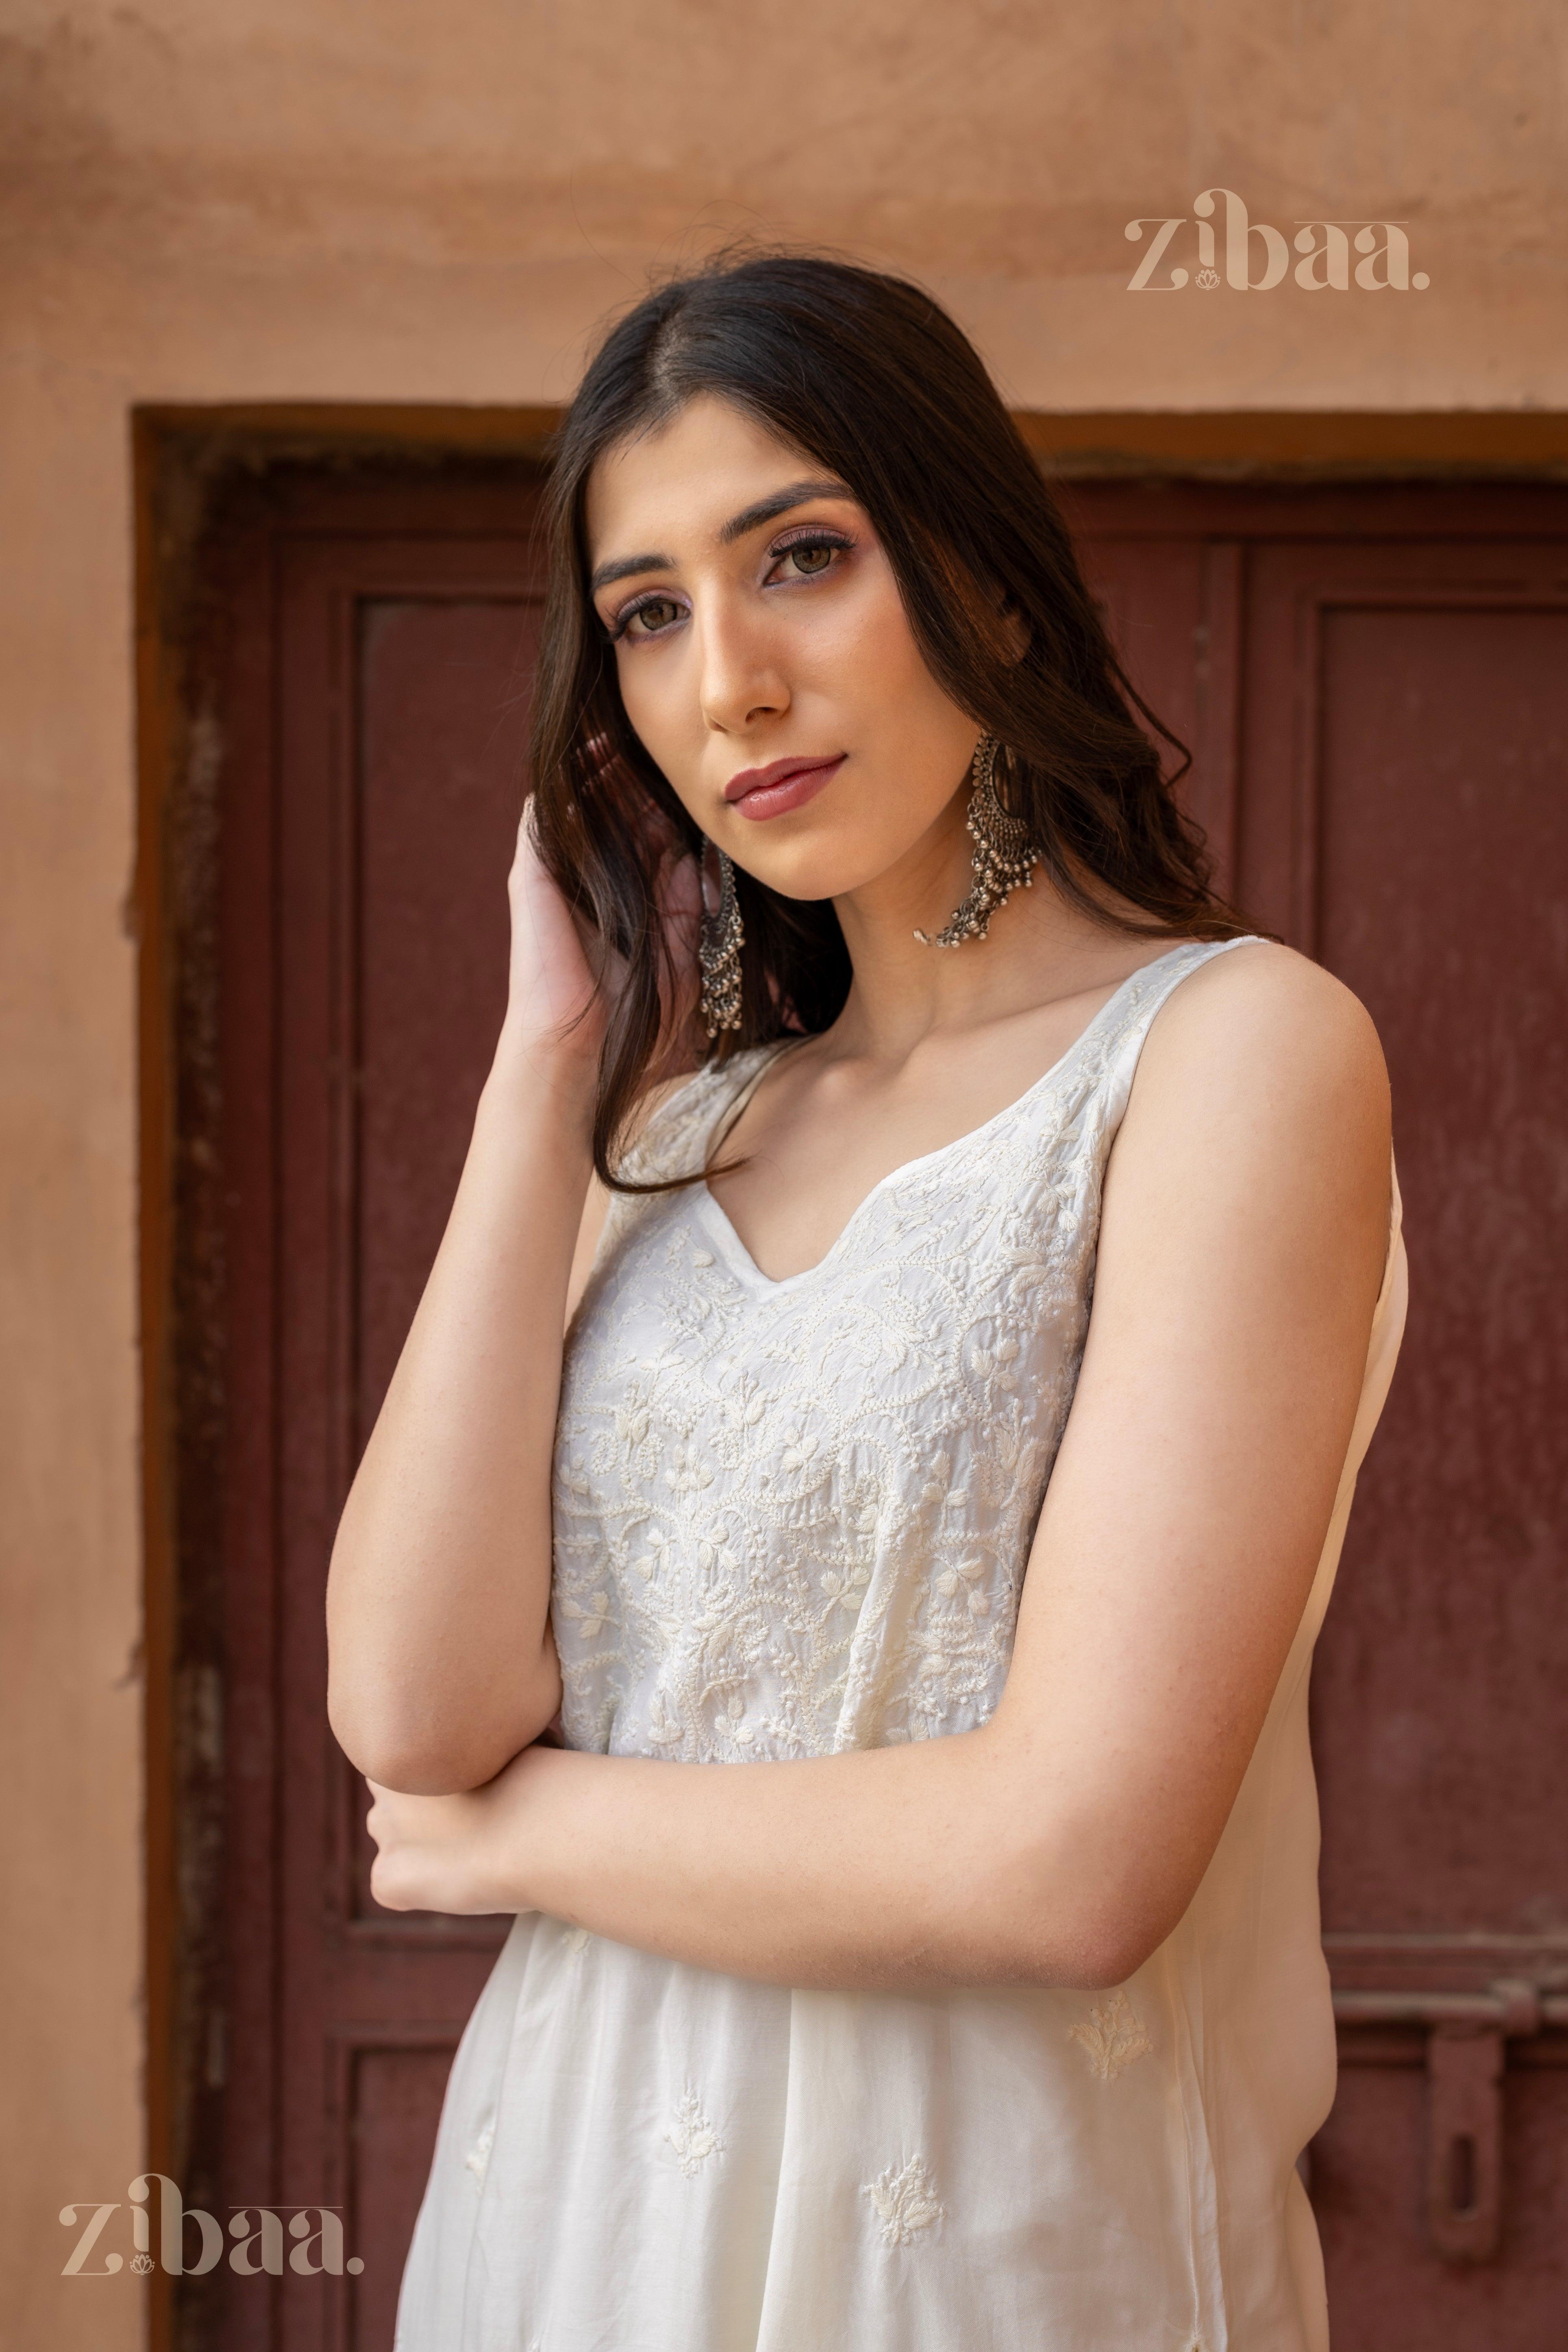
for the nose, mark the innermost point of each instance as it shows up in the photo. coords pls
(741, 679)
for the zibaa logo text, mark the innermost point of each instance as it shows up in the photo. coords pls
(1324, 245)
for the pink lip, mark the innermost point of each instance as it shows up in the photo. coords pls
(782, 785)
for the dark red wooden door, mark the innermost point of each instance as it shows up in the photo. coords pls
(382, 641)
(1379, 705)
(1376, 685)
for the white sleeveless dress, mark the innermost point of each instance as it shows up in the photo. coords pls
(792, 1518)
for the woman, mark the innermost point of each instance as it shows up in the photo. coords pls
(917, 1941)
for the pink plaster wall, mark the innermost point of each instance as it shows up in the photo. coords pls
(433, 199)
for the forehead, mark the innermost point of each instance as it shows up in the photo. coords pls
(674, 488)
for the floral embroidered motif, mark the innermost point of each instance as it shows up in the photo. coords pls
(477, 2159)
(998, 1362)
(846, 1585)
(904, 2200)
(593, 1616)
(660, 1553)
(692, 2137)
(574, 1941)
(793, 1518)
(688, 1472)
(713, 1551)
(936, 1487)
(734, 1719)
(632, 1423)
(1111, 2036)
(959, 1584)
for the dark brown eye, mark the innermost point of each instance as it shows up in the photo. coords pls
(658, 614)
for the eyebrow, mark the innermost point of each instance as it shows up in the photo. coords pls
(751, 518)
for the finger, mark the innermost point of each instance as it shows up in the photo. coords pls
(391, 1884)
(527, 852)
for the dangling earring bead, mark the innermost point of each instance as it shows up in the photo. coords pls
(1003, 856)
(719, 956)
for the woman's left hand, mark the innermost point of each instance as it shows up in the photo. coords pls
(457, 1854)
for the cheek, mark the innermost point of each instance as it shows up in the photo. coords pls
(889, 641)
(659, 694)
(863, 657)
(662, 698)
(913, 739)
(862, 635)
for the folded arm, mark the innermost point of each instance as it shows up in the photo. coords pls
(441, 1661)
(1242, 1247)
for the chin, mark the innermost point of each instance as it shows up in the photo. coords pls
(824, 867)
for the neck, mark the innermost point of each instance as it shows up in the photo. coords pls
(1038, 947)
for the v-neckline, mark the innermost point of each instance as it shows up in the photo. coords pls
(735, 1248)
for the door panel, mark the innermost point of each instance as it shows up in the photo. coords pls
(398, 795)
(1172, 606)
(441, 701)
(1442, 888)
(381, 729)
(1431, 872)
(1375, 685)
(1403, 742)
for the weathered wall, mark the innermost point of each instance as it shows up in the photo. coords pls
(432, 201)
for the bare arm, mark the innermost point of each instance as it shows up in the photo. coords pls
(442, 1664)
(1244, 1235)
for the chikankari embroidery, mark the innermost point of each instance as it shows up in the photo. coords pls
(905, 2201)
(477, 2159)
(692, 2137)
(792, 1518)
(1111, 2036)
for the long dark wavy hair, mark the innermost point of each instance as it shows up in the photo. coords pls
(868, 376)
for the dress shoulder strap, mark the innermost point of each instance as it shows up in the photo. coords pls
(677, 1135)
(1128, 1018)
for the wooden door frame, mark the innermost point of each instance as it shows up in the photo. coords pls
(181, 456)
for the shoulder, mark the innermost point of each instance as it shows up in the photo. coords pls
(1264, 1025)
(1255, 1147)
(1261, 1091)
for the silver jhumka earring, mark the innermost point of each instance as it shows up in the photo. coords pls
(719, 955)
(1003, 856)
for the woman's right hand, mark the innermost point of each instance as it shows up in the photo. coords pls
(555, 1006)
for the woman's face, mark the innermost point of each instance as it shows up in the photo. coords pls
(765, 659)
